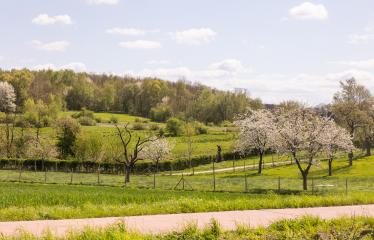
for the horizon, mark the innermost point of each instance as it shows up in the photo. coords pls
(294, 50)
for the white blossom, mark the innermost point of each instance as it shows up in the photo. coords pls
(7, 97)
(257, 131)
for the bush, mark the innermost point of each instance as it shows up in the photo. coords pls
(113, 120)
(138, 126)
(161, 113)
(83, 113)
(154, 127)
(98, 119)
(174, 127)
(86, 121)
(201, 129)
(137, 120)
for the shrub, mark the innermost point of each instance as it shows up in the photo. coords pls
(98, 119)
(161, 113)
(87, 121)
(83, 113)
(113, 120)
(137, 120)
(200, 128)
(138, 126)
(174, 127)
(154, 127)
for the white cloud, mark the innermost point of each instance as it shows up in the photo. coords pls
(194, 36)
(1, 58)
(45, 19)
(47, 66)
(368, 63)
(126, 31)
(360, 38)
(57, 46)
(102, 2)
(140, 44)
(158, 62)
(75, 66)
(309, 11)
(228, 65)
(218, 71)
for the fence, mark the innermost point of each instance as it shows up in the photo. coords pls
(239, 181)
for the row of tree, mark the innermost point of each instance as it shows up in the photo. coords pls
(148, 97)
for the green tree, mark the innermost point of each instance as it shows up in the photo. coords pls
(67, 132)
(351, 107)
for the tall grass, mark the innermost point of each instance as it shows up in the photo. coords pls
(302, 228)
(37, 201)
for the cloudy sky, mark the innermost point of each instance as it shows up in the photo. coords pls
(278, 50)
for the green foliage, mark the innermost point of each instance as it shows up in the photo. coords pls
(147, 97)
(138, 126)
(67, 132)
(174, 127)
(161, 113)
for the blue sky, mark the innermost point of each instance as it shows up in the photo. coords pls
(278, 50)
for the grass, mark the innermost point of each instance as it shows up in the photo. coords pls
(303, 228)
(360, 177)
(21, 201)
(30, 201)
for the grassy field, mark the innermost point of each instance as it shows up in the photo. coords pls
(204, 144)
(37, 201)
(360, 177)
(59, 199)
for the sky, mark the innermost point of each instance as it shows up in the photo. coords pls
(278, 50)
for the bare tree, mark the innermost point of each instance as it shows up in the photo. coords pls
(190, 132)
(131, 147)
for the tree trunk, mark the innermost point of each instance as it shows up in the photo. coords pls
(260, 164)
(350, 157)
(127, 174)
(368, 147)
(305, 181)
(330, 167)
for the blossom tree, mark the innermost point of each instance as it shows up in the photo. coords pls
(8, 106)
(300, 132)
(7, 98)
(334, 140)
(157, 150)
(256, 132)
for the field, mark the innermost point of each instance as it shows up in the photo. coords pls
(204, 144)
(59, 199)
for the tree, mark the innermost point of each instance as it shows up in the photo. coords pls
(189, 133)
(129, 148)
(42, 149)
(7, 98)
(90, 148)
(174, 127)
(256, 132)
(157, 150)
(67, 132)
(300, 132)
(351, 107)
(335, 139)
(8, 106)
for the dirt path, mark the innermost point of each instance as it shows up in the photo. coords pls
(166, 223)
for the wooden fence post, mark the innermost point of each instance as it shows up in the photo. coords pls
(214, 176)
